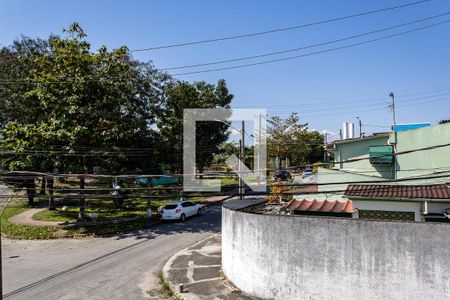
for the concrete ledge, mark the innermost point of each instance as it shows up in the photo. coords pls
(296, 257)
(237, 204)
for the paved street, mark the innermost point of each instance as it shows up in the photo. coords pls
(198, 268)
(119, 267)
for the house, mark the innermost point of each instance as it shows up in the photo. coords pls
(400, 202)
(388, 173)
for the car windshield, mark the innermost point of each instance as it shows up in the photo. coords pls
(170, 206)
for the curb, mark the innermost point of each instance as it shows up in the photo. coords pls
(168, 264)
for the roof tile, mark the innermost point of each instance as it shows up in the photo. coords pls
(335, 206)
(433, 191)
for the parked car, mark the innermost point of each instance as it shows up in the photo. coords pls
(180, 210)
(283, 175)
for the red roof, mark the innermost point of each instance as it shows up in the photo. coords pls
(336, 206)
(435, 191)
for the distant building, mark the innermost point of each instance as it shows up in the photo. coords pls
(410, 126)
(390, 186)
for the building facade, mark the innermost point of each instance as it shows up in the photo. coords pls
(408, 160)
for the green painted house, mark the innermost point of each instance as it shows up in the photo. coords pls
(396, 180)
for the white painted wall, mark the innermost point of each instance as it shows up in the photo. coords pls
(298, 257)
(390, 206)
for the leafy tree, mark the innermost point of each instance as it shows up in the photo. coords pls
(82, 110)
(15, 66)
(315, 141)
(229, 148)
(290, 139)
(209, 135)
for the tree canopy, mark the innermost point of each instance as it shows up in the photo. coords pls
(291, 140)
(67, 107)
(81, 109)
(209, 135)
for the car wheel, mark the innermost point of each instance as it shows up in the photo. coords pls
(200, 211)
(182, 217)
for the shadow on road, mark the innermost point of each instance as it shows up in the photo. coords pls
(210, 221)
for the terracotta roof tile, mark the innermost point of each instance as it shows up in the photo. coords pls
(434, 191)
(336, 206)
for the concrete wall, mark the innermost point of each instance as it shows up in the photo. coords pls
(293, 257)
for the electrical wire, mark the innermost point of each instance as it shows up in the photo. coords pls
(312, 103)
(301, 26)
(306, 47)
(290, 185)
(256, 63)
(312, 53)
(45, 174)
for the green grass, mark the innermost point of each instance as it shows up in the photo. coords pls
(104, 210)
(166, 287)
(132, 216)
(24, 231)
(19, 231)
(229, 181)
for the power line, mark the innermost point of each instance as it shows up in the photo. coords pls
(308, 46)
(46, 174)
(233, 37)
(249, 64)
(312, 53)
(366, 107)
(68, 190)
(292, 185)
(354, 100)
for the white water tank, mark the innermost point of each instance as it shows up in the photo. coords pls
(348, 130)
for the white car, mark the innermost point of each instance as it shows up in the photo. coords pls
(180, 210)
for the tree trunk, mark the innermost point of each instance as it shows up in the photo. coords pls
(51, 199)
(30, 186)
(42, 191)
(200, 170)
(81, 215)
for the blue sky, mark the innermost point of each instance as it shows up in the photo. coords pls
(324, 89)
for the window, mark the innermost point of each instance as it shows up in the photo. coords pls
(170, 206)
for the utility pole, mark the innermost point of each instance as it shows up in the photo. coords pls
(241, 182)
(392, 107)
(360, 127)
(258, 161)
(325, 140)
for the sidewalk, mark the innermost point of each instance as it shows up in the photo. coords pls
(26, 218)
(198, 268)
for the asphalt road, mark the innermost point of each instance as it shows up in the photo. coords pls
(119, 267)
